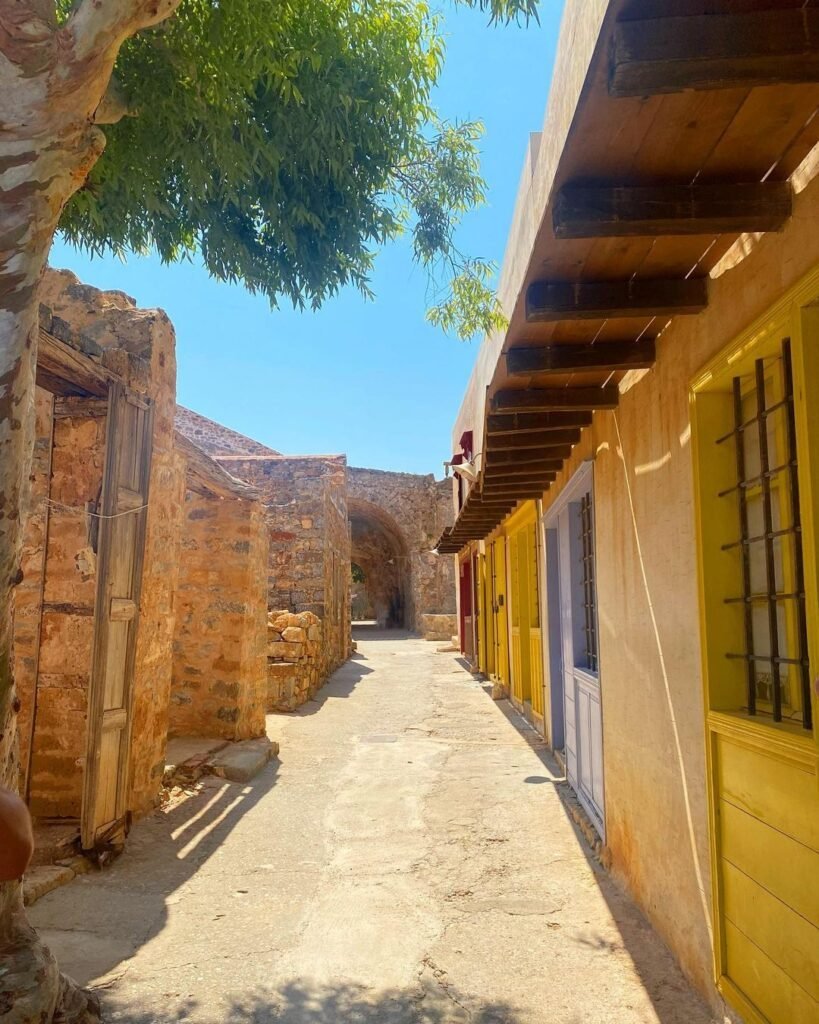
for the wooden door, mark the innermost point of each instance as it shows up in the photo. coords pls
(520, 596)
(119, 577)
(533, 607)
(499, 610)
(488, 612)
(583, 717)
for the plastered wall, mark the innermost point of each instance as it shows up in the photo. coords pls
(651, 682)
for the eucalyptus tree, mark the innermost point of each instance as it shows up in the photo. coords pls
(282, 141)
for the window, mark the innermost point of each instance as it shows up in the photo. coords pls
(770, 585)
(587, 575)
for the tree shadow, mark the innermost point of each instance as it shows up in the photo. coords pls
(302, 1002)
(164, 851)
(341, 683)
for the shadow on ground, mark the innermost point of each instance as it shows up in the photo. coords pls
(639, 938)
(300, 1002)
(342, 683)
(164, 852)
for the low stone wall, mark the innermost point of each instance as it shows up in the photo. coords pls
(295, 666)
(439, 627)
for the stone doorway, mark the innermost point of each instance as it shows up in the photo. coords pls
(381, 571)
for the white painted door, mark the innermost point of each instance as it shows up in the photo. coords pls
(581, 679)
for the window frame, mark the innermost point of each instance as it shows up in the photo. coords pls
(795, 316)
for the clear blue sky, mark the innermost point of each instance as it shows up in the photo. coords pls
(371, 379)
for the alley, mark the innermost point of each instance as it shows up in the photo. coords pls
(408, 859)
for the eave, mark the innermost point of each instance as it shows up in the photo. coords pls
(648, 193)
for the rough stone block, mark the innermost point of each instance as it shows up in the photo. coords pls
(294, 635)
(241, 762)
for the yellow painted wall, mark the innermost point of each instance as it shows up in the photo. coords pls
(650, 660)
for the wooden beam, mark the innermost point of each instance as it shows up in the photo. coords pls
(515, 457)
(541, 399)
(539, 466)
(625, 211)
(549, 301)
(540, 442)
(527, 491)
(558, 439)
(604, 355)
(489, 486)
(715, 51)
(535, 480)
(513, 422)
(63, 370)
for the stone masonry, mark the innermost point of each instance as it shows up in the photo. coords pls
(294, 662)
(220, 664)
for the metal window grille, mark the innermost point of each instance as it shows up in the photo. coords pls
(588, 579)
(773, 587)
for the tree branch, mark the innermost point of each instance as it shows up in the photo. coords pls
(113, 105)
(99, 27)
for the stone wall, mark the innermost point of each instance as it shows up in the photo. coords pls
(214, 438)
(28, 594)
(220, 664)
(294, 659)
(139, 347)
(61, 544)
(308, 569)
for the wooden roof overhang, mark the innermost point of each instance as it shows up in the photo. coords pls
(693, 116)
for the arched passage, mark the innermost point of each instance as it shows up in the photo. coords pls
(379, 550)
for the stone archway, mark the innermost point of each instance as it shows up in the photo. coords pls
(378, 547)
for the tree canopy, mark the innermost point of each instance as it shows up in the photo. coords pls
(285, 141)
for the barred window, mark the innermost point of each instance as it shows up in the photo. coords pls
(588, 582)
(771, 590)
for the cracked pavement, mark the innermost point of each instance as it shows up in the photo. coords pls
(407, 861)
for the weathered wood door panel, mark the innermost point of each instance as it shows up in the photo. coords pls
(119, 577)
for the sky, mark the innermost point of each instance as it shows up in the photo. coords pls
(367, 378)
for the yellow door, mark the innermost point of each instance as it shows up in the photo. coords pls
(480, 605)
(500, 611)
(519, 579)
(756, 416)
(488, 616)
(533, 605)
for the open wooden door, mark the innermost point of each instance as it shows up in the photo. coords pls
(119, 577)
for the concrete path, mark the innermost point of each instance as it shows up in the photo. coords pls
(408, 860)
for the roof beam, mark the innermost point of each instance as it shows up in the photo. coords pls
(604, 355)
(513, 422)
(715, 51)
(542, 399)
(542, 442)
(626, 211)
(523, 468)
(532, 438)
(550, 301)
(513, 457)
(526, 491)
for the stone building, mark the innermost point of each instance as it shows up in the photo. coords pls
(94, 612)
(144, 573)
(179, 579)
(322, 515)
